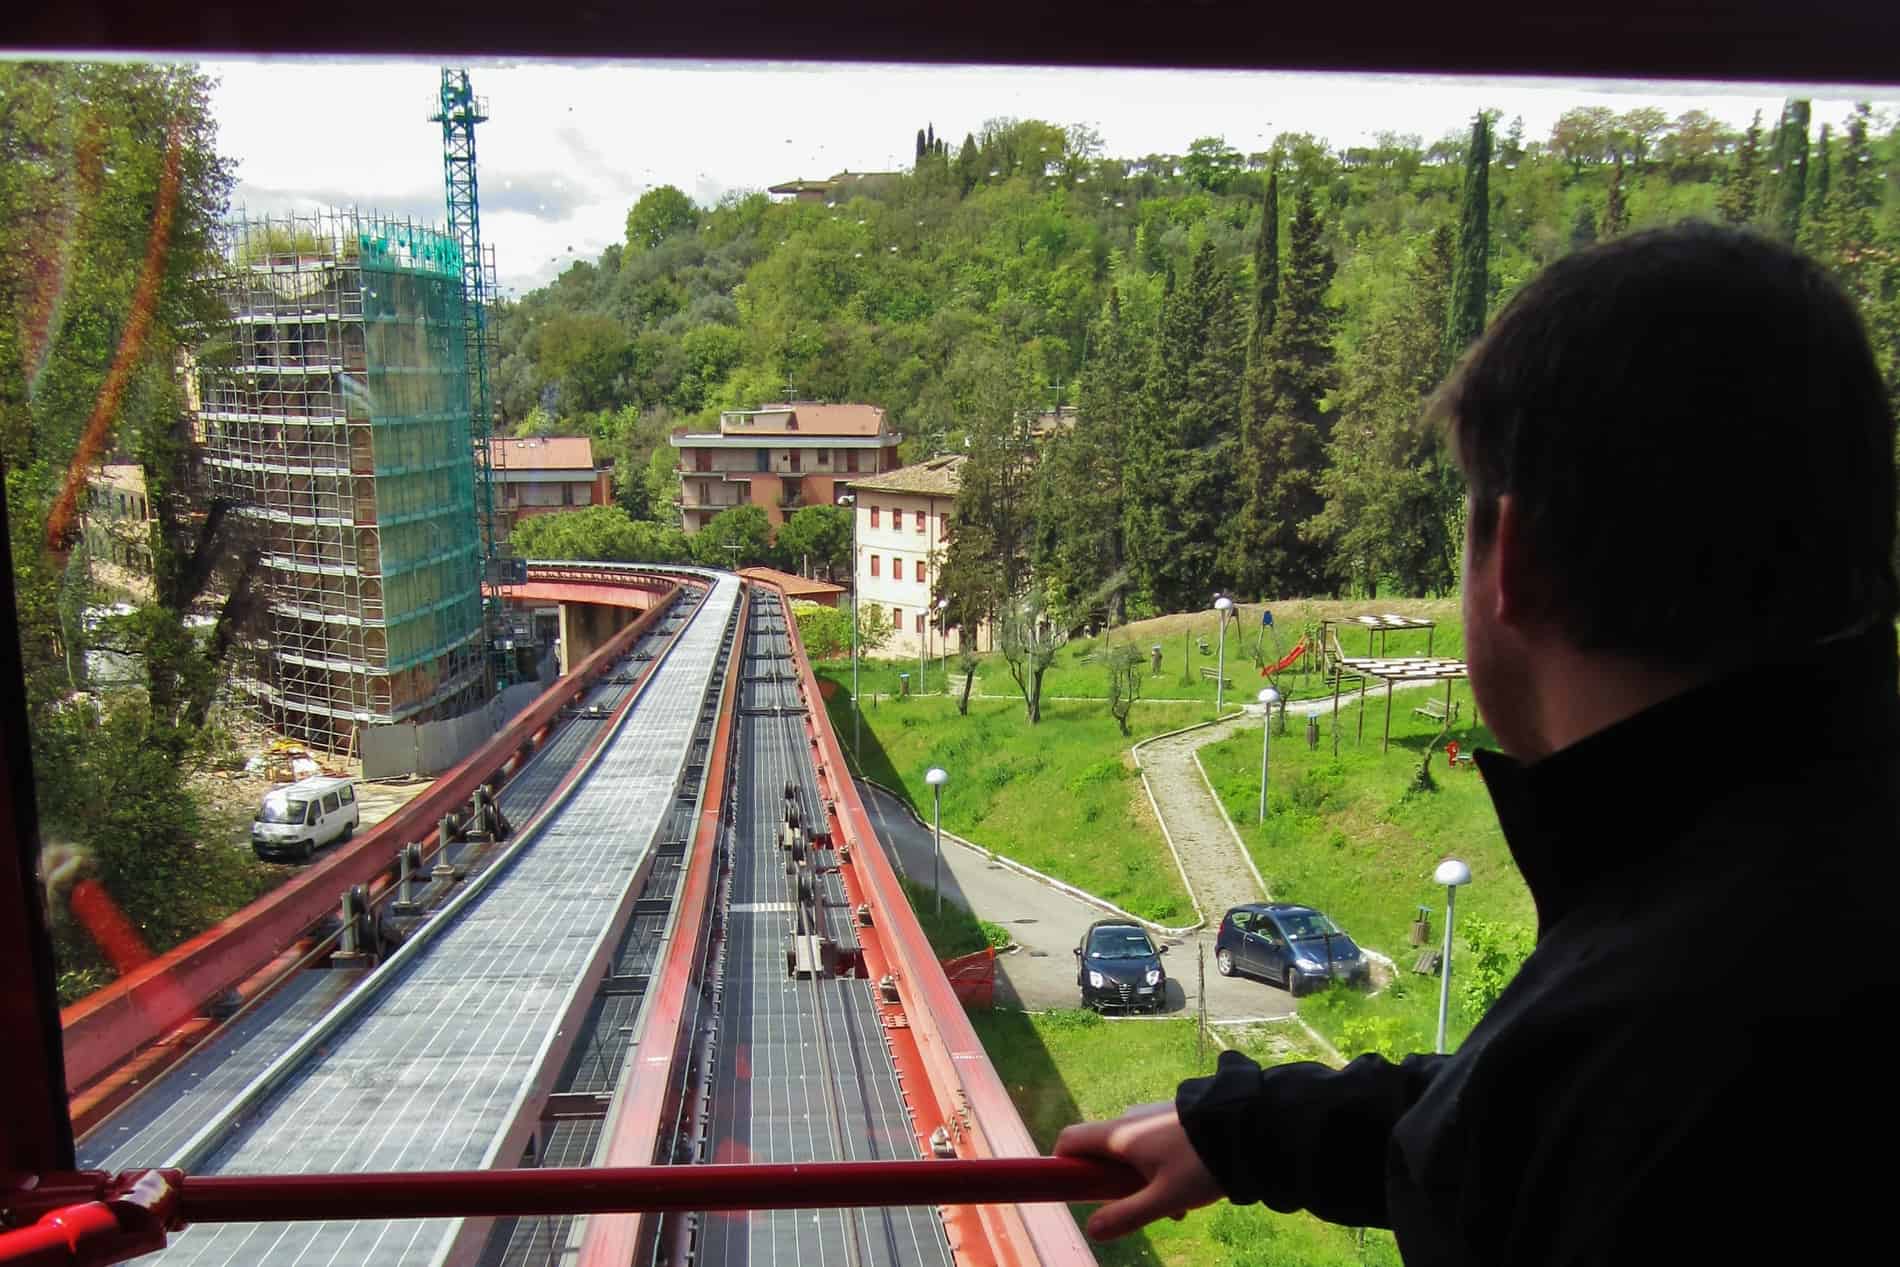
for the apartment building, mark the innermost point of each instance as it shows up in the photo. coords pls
(903, 523)
(537, 475)
(780, 458)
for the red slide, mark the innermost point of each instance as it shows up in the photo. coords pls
(1299, 649)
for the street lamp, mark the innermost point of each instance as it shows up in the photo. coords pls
(943, 640)
(850, 501)
(1268, 698)
(1451, 873)
(936, 778)
(1223, 605)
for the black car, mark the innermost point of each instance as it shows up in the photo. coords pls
(1296, 946)
(1118, 966)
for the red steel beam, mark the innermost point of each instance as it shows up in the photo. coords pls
(108, 1026)
(594, 592)
(650, 1095)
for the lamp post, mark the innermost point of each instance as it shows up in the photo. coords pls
(943, 640)
(1451, 873)
(936, 777)
(850, 501)
(1223, 605)
(1268, 698)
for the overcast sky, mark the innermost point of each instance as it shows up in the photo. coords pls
(568, 147)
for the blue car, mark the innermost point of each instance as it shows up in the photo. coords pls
(1117, 966)
(1296, 946)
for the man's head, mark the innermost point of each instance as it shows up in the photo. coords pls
(1679, 456)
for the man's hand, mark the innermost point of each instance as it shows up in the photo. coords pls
(1149, 1138)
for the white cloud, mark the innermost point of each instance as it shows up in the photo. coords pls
(568, 147)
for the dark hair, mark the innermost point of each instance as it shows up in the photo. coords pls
(1693, 428)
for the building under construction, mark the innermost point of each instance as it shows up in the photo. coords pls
(337, 425)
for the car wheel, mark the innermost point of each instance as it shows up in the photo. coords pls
(349, 829)
(309, 850)
(1224, 962)
(1292, 982)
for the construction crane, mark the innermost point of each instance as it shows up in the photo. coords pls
(458, 110)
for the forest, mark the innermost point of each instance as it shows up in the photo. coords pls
(1247, 340)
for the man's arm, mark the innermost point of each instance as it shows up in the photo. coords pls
(1299, 1136)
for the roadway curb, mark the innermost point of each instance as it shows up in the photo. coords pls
(1047, 881)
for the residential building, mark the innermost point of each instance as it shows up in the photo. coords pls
(841, 187)
(338, 427)
(535, 475)
(118, 520)
(903, 524)
(780, 458)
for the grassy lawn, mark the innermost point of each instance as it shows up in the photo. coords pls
(1062, 797)
(1345, 834)
(1063, 1067)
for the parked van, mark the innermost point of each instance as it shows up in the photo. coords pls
(294, 821)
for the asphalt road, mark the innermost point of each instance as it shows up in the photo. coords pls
(1047, 924)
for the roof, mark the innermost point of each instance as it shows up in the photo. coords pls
(800, 187)
(936, 477)
(804, 418)
(794, 586)
(543, 453)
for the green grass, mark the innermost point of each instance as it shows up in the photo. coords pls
(956, 931)
(1346, 835)
(1064, 1067)
(1062, 797)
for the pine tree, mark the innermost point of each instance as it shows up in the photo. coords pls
(1246, 533)
(1266, 268)
(1740, 197)
(1616, 216)
(1205, 491)
(1282, 473)
(1470, 281)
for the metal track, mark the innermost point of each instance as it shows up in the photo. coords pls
(428, 1071)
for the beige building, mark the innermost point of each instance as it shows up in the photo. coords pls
(903, 521)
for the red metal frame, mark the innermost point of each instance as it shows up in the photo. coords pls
(110, 1025)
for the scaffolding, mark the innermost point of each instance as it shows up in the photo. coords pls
(336, 425)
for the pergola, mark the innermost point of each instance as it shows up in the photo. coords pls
(1386, 623)
(1391, 671)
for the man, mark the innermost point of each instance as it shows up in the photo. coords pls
(1679, 597)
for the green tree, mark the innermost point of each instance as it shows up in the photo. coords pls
(968, 165)
(1283, 471)
(1212, 164)
(1789, 166)
(736, 538)
(662, 212)
(1616, 215)
(1029, 641)
(1739, 199)
(599, 532)
(1392, 492)
(819, 536)
(1470, 276)
(1126, 667)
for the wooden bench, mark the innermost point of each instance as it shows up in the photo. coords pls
(1434, 710)
(1209, 675)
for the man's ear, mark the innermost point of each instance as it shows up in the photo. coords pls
(1521, 594)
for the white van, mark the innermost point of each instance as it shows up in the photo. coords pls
(294, 821)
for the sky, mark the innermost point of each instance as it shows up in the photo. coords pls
(569, 147)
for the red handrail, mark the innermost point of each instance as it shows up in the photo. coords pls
(123, 1214)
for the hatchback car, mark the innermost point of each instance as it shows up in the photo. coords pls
(1117, 966)
(1296, 946)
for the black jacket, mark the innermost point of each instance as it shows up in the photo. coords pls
(1692, 1066)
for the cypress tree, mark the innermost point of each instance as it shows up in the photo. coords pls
(921, 148)
(1740, 198)
(1470, 281)
(1790, 167)
(1245, 534)
(1266, 268)
(967, 165)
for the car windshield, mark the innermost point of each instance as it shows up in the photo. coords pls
(1308, 924)
(282, 811)
(1120, 943)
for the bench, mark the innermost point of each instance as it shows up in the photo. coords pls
(1434, 710)
(1209, 675)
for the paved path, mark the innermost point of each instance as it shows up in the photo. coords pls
(1046, 924)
